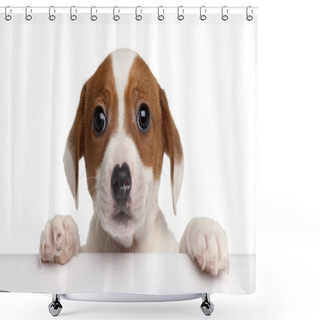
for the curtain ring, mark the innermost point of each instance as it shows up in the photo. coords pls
(7, 14)
(138, 16)
(249, 15)
(73, 12)
(93, 17)
(28, 16)
(180, 13)
(52, 10)
(160, 16)
(224, 13)
(116, 17)
(203, 13)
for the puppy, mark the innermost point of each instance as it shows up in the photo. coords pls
(122, 128)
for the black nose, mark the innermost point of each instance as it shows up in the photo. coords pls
(121, 182)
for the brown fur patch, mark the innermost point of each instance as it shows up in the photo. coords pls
(142, 87)
(99, 90)
(162, 136)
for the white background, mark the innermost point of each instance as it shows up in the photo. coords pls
(45, 66)
(288, 240)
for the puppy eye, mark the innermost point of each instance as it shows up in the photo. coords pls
(99, 121)
(143, 118)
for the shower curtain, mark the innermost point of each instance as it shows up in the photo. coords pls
(127, 140)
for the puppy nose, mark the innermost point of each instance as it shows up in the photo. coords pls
(121, 182)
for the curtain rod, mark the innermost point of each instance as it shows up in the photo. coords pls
(127, 7)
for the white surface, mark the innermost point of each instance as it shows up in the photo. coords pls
(281, 294)
(130, 273)
(288, 240)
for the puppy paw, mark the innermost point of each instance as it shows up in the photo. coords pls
(206, 243)
(59, 241)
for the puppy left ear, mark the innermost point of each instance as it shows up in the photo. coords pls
(173, 148)
(75, 147)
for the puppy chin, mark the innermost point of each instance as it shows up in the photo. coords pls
(120, 224)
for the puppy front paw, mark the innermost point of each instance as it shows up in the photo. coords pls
(59, 241)
(206, 243)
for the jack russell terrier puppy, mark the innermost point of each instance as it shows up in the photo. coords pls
(122, 128)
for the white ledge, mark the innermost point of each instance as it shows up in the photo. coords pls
(157, 274)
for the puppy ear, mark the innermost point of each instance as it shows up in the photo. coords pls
(173, 148)
(75, 147)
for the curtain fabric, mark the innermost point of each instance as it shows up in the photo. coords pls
(207, 70)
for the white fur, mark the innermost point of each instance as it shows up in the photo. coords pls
(122, 149)
(122, 60)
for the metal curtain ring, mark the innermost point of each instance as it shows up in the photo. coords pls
(73, 12)
(116, 17)
(180, 13)
(160, 16)
(138, 16)
(7, 15)
(249, 15)
(52, 10)
(224, 13)
(93, 17)
(28, 16)
(203, 13)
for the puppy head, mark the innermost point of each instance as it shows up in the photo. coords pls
(122, 128)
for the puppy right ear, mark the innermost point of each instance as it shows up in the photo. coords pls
(75, 147)
(173, 149)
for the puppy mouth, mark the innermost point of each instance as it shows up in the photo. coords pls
(122, 217)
